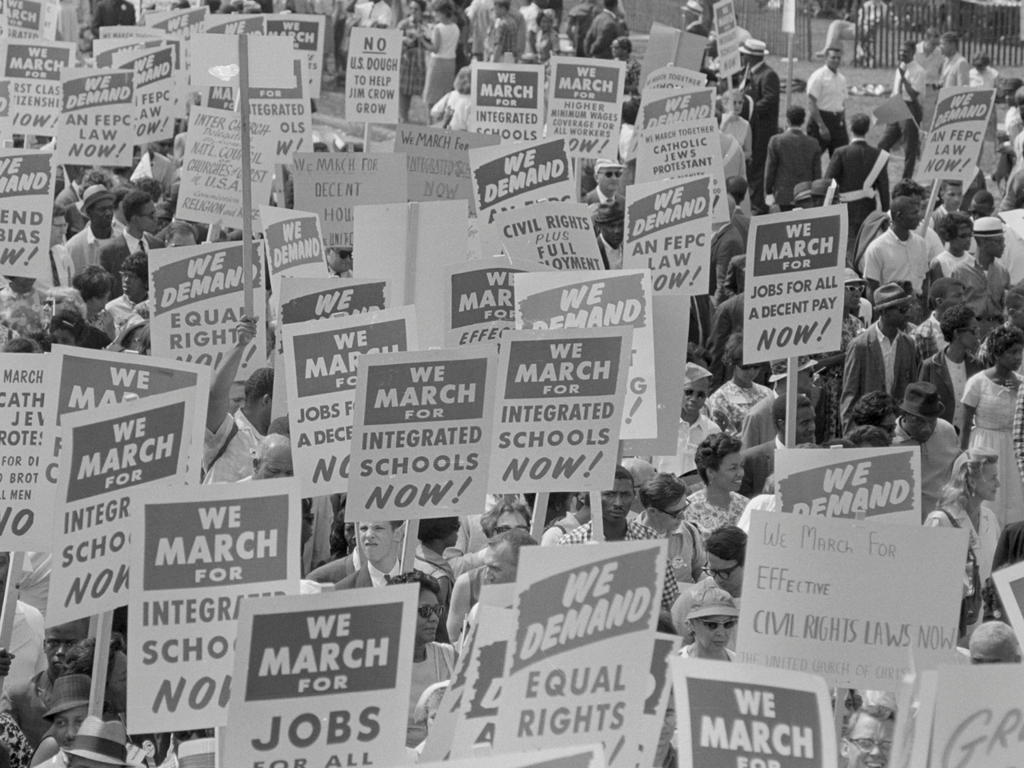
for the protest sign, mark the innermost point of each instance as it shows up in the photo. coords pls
(977, 717)
(585, 623)
(183, 22)
(879, 484)
(211, 175)
(31, 19)
(422, 439)
(97, 122)
(668, 46)
(156, 91)
(740, 715)
(410, 245)
(658, 693)
(307, 35)
(508, 101)
(589, 756)
(794, 283)
(285, 706)
(834, 598)
(600, 300)
(331, 185)
(474, 728)
(479, 299)
(1010, 583)
(559, 408)
(305, 298)
(295, 246)
(679, 139)
(321, 360)
(33, 71)
(26, 207)
(556, 234)
(438, 162)
(668, 231)
(28, 464)
(105, 50)
(371, 80)
(672, 78)
(198, 301)
(112, 458)
(123, 31)
(953, 145)
(214, 55)
(585, 105)
(195, 559)
(251, 24)
(727, 37)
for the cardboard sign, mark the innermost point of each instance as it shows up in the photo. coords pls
(195, 560)
(574, 588)
(304, 299)
(183, 22)
(120, 31)
(833, 598)
(331, 185)
(28, 464)
(31, 19)
(508, 101)
(283, 705)
(307, 35)
(672, 78)
(422, 438)
(251, 24)
(105, 50)
(441, 731)
(722, 710)
(586, 105)
(198, 300)
(958, 130)
(211, 175)
(558, 235)
(668, 231)
(371, 80)
(215, 59)
(33, 71)
(600, 300)
(438, 162)
(658, 694)
(97, 122)
(321, 359)
(668, 46)
(26, 197)
(794, 283)
(410, 245)
(976, 712)
(156, 89)
(295, 246)
(112, 460)
(589, 756)
(855, 484)
(679, 139)
(1010, 583)
(479, 297)
(560, 403)
(727, 36)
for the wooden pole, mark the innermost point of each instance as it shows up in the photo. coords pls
(243, 109)
(10, 601)
(366, 137)
(791, 394)
(412, 533)
(100, 659)
(540, 509)
(596, 520)
(789, 69)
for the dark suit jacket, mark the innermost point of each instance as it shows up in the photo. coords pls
(864, 370)
(793, 157)
(112, 256)
(727, 321)
(360, 578)
(726, 243)
(934, 371)
(112, 13)
(850, 166)
(763, 88)
(75, 218)
(758, 466)
(333, 572)
(605, 28)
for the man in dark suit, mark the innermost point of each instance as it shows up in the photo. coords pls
(793, 157)
(862, 176)
(759, 461)
(112, 13)
(604, 30)
(866, 369)
(960, 330)
(382, 549)
(140, 213)
(763, 88)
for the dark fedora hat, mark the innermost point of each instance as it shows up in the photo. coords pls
(922, 399)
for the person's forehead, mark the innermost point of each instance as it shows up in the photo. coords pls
(867, 726)
(719, 563)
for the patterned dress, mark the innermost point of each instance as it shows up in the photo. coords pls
(730, 403)
(412, 75)
(707, 517)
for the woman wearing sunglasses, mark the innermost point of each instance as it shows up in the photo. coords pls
(712, 619)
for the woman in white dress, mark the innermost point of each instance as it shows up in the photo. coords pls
(441, 62)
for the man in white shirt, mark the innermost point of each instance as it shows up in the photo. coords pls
(898, 255)
(98, 206)
(910, 83)
(694, 426)
(955, 69)
(826, 99)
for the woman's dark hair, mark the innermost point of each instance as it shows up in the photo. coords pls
(712, 450)
(426, 582)
(68, 320)
(728, 543)
(1001, 339)
(93, 282)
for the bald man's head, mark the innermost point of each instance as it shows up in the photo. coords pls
(994, 643)
(274, 458)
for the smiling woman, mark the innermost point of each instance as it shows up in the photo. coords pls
(721, 468)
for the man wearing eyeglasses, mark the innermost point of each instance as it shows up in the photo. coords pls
(664, 502)
(607, 174)
(869, 737)
(694, 426)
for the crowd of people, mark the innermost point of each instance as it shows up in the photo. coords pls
(931, 357)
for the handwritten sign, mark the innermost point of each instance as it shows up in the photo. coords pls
(794, 283)
(954, 143)
(855, 484)
(422, 434)
(832, 598)
(508, 101)
(556, 234)
(586, 105)
(33, 71)
(559, 412)
(975, 709)
(371, 80)
(197, 558)
(668, 232)
(26, 192)
(439, 162)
